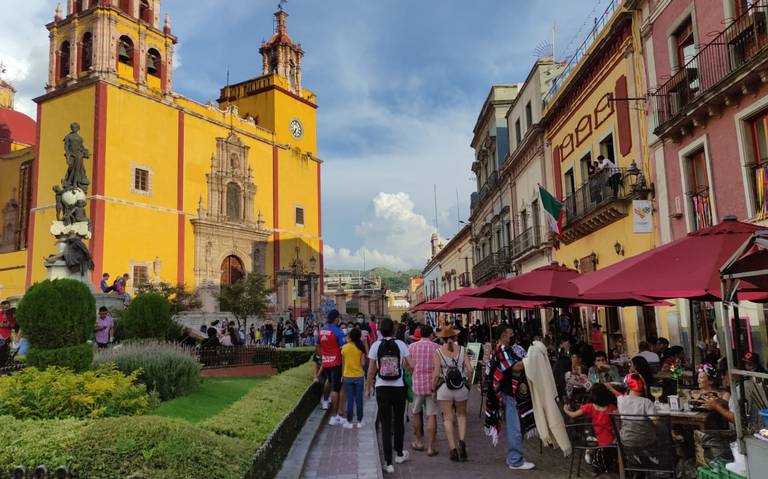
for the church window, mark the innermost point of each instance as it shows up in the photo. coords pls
(64, 55)
(140, 275)
(154, 62)
(125, 51)
(234, 202)
(300, 215)
(145, 13)
(78, 6)
(125, 5)
(87, 60)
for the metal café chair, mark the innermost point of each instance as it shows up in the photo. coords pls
(582, 436)
(645, 444)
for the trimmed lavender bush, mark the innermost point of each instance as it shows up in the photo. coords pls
(167, 368)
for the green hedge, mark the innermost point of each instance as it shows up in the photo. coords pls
(77, 358)
(148, 316)
(287, 358)
(144, 447)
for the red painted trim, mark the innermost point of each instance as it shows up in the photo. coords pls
(98, 176)
(180, 203)
(275, 212)
(33, 202)
(557, 167)
(320, 230)
(79, 66)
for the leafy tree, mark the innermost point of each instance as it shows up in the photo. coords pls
(180, 298)
(245, 298)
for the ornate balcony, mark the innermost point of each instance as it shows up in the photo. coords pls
(493, 266)
(722, 71)
(597, 203)
(526, 242)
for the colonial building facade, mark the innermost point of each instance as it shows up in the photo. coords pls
(180, 191)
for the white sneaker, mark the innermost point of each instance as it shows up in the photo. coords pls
(335, 421)
(525, 466)
(325, 404)
(403, 458)
(390, 469)
(348, 425)
(360, 424)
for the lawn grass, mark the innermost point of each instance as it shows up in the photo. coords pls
(212, 397)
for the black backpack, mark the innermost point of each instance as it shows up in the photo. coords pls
(388, 360)
(454, 373)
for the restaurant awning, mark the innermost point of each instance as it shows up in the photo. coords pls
(467, 304)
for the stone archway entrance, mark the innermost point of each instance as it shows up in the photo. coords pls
(232, 270)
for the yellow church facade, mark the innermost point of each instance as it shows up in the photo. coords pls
(179, 191)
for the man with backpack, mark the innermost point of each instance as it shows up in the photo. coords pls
(329, 350)
(387, 359)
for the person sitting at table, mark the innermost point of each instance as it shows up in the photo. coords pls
(638, 365)
(645, 352)
(709, 385)
(576, 381)
(635, 433)
(602, 371)
(618, 354)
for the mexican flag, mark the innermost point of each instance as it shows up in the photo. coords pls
(553, 210)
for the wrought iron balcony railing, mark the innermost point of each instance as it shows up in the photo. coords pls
(529, 239)
(732, 49)
(600, 190)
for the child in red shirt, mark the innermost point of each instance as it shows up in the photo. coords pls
(602, 404)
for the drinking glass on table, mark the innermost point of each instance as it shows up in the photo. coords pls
(656, 392)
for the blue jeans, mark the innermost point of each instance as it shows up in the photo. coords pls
(354, 397)
(514, 436)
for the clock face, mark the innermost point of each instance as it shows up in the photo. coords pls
(297, 129)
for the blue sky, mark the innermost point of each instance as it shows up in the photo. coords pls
(399, 83)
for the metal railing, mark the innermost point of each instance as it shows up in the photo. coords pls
(740, 43)
(601, 189)
(575, 58)
(488, 186)
(701, 207)
(230, 356)
(485, 268)
(530, 238)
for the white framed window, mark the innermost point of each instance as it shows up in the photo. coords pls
(141, 180)
(299, 215)
(751, 135)
(139, 272)
(697, 185)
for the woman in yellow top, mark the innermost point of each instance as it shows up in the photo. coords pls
(353, 356)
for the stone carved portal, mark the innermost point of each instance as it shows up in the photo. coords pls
(230, 238)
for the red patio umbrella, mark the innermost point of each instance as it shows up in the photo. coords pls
(685, 268)
(440, 300)
(553, 284)
(467, 304)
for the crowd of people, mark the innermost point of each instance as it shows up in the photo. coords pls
(425, 372)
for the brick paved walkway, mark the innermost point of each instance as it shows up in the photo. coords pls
(349, 454)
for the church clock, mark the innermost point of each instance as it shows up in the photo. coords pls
(297, 129)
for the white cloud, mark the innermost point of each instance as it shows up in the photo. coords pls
(394, 236)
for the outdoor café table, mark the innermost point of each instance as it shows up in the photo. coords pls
(691, 419)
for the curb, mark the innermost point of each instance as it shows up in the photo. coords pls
(294, 462)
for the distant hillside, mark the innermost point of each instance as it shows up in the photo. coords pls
(392, 280)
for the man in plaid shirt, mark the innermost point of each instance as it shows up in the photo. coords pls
(422, 354)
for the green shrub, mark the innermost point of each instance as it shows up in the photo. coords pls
(58, 317)
(57, 393)
(59, 313)
(255, 415)
(144, 447)
(148, 316)
(285, 359)
(76, 358)
(167, 368)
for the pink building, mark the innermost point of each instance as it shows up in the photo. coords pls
(707, 67)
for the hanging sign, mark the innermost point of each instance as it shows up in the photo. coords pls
(642, 216)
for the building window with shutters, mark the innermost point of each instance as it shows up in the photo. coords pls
(140, 275)
(300, 216)
(697, 190)
(141, 180)
(759, 165)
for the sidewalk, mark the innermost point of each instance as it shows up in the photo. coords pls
(345, 453)
(484, 459)
(355, 454)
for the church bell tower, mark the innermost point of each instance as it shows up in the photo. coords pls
(115, 40)
(280, 55)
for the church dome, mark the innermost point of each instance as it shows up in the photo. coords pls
(15, 127)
